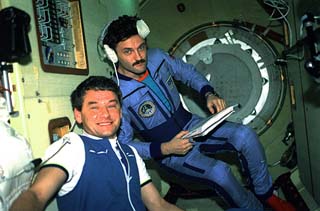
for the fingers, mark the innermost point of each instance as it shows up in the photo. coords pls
(183, 146)
(215, 110)
(220, 105)
(177, 145)
(215, 105)
(181, 134)
(186, 146)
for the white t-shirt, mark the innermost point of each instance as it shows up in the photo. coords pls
(69, 153)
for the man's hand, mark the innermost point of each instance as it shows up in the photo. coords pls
(177, 145)
(215, 103)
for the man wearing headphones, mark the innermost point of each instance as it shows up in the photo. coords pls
(93, 171)
(152, 108)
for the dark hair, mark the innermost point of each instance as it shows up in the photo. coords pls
(93, 83)
(120, 29)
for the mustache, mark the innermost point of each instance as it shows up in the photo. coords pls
(139, 62)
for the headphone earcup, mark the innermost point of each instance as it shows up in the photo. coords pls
(142, 28)
(111, 54)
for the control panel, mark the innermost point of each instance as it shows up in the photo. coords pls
(60, 36)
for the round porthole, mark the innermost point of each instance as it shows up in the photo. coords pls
(240, 65)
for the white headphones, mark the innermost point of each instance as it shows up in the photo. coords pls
(105, 51)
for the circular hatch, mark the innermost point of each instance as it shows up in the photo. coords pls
(240, 65)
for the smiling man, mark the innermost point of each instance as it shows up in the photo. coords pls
(93, 171)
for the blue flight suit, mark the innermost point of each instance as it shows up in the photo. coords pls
(145, 114)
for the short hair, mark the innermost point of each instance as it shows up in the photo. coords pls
(93, 83)
(120, 29)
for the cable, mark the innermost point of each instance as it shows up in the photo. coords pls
(32, 165)
(283, 8)
(278, 6)
(116, 73)
(127, 174)
(65, 140)
(74, 123)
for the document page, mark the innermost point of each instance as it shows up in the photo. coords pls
(209, 123)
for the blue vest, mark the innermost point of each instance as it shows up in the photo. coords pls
(103, 184)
